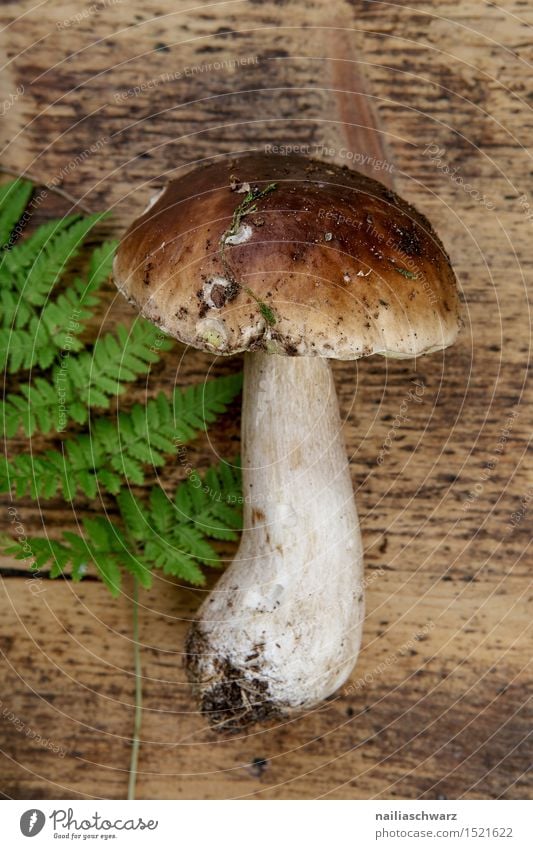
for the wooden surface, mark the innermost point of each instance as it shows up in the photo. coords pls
(438, 706)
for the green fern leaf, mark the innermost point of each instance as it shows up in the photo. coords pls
(132, 513)
(100, 267)
(14, 197)
(173, 561)
(17, 261)
(46, 251)
(197, 406)
(78, 383)
(28, 273)
(165, 534)
(138, 568)
(50, 263)
(162, 511)
(181, 566)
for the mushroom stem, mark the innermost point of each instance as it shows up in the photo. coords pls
(282, 629)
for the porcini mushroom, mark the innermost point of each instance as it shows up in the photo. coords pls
(293, 262)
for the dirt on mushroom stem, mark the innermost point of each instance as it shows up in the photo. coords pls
(229, 703)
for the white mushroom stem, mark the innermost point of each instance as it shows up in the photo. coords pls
(282, 629)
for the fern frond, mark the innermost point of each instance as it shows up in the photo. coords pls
(118, 449)
(173, 535)
(116, 359)
(197, 406)
(94, 377)
(14, 197)
(19, 348)
(45, 250)
(100, 267)
(64, 316)
(31, 335)
(103, 547)
(90, 379)
(220, 513)
(38, 343)
(155, 532)
(34, 407)
(132, 511)
(48, 266)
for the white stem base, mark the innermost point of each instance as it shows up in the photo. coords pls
(282, 629)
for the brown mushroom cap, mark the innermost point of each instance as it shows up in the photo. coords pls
(289, 255)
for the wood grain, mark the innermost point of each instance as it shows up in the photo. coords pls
(438, 706)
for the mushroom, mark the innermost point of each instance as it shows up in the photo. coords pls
(292, 262)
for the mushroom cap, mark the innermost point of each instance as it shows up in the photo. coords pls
(289, 255)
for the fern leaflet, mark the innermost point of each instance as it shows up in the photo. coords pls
(14, 197)
(119, 449)
(153, 531)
